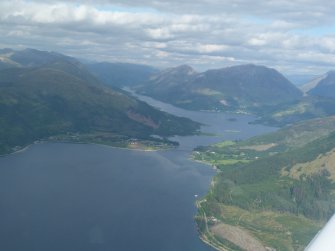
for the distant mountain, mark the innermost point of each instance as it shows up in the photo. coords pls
(244, 87)
(5, 61)
(58, 96)
(300, 79)
(31, 57)
(121, 74)
(323, 86)
(175, 77)
(250, 84)
(318, 101)
(306, 87)
(308, 107)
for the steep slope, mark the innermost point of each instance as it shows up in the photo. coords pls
(318, 101)
(173, 77)
(277, 188)
(62, 99)
(311, 84)
(244, 87)
(308, 107)
(5, 61)
(172, 86)
(325, 86)
(250, 85)
(32, 58)
(121, 74)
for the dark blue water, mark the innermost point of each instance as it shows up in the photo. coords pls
(87, 197)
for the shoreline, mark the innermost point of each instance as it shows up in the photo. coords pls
(204, 240)
(203, 236)
(198, 202)
(25, 148)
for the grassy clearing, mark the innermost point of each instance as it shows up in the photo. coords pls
(225, 143)
(282, 231)
(298, 109)
(208, 92)
(323, 162)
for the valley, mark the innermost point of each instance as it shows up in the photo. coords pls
(158, 125)
(274, 186)
(48, 96)
(242, 89)
(91, 196)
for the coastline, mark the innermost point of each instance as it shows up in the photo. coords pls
(202, 236)
(203, 239)
(205, 234)
(25, 148)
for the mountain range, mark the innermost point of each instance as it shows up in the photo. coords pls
(274, 189)
(318, 101)
(45, 94)
(244, 87)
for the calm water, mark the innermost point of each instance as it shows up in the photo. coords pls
(87, 197)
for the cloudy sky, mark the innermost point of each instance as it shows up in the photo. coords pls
(293, 36)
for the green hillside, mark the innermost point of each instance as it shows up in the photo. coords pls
(61, 100)
(278, 189)
(307, 107)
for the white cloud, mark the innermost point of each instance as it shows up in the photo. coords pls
(328, 43)
(207, 33)
(210, 48)
(159, 33)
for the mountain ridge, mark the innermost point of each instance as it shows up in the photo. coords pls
(121, 74)
(324, 86)
(231, 88)
(59, 98)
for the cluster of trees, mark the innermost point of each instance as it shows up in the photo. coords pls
(260, 184)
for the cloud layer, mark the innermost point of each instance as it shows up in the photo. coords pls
(292, 36)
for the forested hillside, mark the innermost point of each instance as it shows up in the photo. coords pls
(285, 178)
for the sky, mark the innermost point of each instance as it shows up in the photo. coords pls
(293, 36)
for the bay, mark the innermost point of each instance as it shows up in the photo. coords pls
(56, 196)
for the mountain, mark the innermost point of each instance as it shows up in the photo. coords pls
(311, 84)
(5, 61)
(250, 84)
(57, 98)
(323, 86)
(318, 101)
(30, 57)
(308, 107)
(175, 77)
(121, 74)
(244, 87)
(275, 190)
(300, 79)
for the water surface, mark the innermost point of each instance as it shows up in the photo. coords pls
(73, 197)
